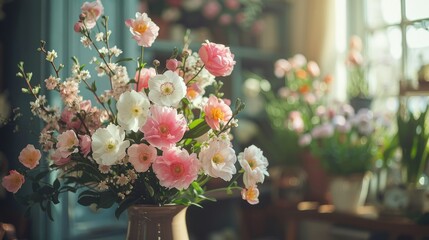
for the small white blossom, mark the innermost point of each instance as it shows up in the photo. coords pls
(51, 55)
(115, 51)
(99, 36)
(86, 42)
(254, 164)
(104, 50)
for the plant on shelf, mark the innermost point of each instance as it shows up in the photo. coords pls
(358, 91)
(291, 105)
(413, 137)
(157, 138)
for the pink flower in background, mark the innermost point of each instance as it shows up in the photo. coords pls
(354, 58)
(225, 19)
(298, 61)
(85, 144)
(217, 112)
(313, 69)
(355, 43)
(92, 11)
(176, 168)
(141, 156)
(13, 182)
(323, 131)
(282, 67)
(217, 58)
(232, 4)
(78, 26)
(172, 64)
(142, 28)
(69, 118)
(58, 159)
(67, 141)
(142, 78)
(30, 156)
(211, 9)
(304, 140)
(296, 122)
(164, 127)
(251, 195)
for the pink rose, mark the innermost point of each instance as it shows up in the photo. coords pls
(217, 58)
(142, 78)
(30, 156)
(13, 182)
(85, 144)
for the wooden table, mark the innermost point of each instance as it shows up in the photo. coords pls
(367, 218)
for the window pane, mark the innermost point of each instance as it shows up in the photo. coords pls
(416, 9)
(383, 12)
(418, 50)
(384, 59)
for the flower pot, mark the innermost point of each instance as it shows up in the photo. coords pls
(147, 222)
(348, 193)
(317, 179)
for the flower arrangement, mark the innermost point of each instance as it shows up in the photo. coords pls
(347, 142)
(357, 85)
(155, 139)
(243, 14)
(291, 105)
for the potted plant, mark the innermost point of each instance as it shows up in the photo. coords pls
(357, 85)
(413, 136)
(346, 144)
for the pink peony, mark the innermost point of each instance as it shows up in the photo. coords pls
(165, 127)
(142, 78)
(142, 28)
(176, 168)
(217, 112)
(13, 182)
(85, 144)
(251, 195)
(217, 58)
(30, 156)
(92, 11)
(141, 156)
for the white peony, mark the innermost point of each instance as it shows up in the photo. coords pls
(133, 108)
(254, 164)
(167, 89)
(108, 145)
(218, 159)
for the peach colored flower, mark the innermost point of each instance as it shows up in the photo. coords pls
(30, 156)
(313, 69)
(217, 58)
(251, 195)
(142, 28)
(165, 127)
(176, 168)
(141, 156)
(13, 182)
(92, 11)
(67, 143)
(217, 112)
(142, 78)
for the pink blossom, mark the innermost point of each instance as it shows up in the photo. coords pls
(30, 156)
(304, 140)
(78, 26)
(217, 58)
(355, 43)
(142, 28)
(354, 58)
(296, 122)
(172, 64)
(250, 194)
(193, 91)
(313, 69)
(232, 4)
(323, 131)
(217, 112)
(69, 118)
(176, 168)
(51, 82)
(282, 67)
(141, 156)
(211, 9)
(143, 77)
(58, 159)
(69, 91)
(85, 144)
(67, 141)
(164, 127)
(225, 19)
(92, 11)
(13, 182)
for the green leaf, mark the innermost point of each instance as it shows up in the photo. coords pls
(124, 60)
(88, 200)
(56, 184)
(149, 189)
(197, 128)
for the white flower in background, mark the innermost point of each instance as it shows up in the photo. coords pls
(254, 164)
(133, 108)
(167, 89)
(218, 159)
(108, 145)
(363, 120)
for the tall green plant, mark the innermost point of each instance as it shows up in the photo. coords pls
(413, 137)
